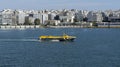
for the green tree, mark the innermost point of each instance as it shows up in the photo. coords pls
(85, 19)
(94, 24)
(37, 21)
(57, 17)
(27, 21)
(75, 20)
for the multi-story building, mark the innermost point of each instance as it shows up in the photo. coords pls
(14, 17)
(67, 19)
(114, 16)
(51, 16)
(21, 17)
(95, 16)
(0, 18)
(67, 16)
(44, 18)
(81, 15)
(8, 17)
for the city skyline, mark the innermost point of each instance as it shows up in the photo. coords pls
(61, 4)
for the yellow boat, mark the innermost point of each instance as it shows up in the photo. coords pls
(57, 38)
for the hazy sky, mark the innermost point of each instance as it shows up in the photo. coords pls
(60, 4)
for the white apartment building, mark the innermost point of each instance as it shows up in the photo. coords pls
(44, 17)
(80, 15)
(67, 18)
(0, 18)
(51, 16)
(7, 17)
(21, 17)
(94, 16)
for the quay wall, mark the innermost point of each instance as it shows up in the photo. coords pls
(19, 26)
(109, 26)
(69, 26)
(99, 26)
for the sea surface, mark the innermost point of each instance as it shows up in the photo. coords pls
(93, 47)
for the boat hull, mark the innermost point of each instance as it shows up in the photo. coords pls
(57, 39)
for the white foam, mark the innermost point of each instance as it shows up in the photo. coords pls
(18, 40)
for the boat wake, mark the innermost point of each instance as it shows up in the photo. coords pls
(19, 40)
(50, 41)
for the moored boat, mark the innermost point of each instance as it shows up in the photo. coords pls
(57, 38)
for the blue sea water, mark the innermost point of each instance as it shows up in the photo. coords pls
(93, 47)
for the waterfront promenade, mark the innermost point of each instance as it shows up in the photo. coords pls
(19, 26)
(66, 26)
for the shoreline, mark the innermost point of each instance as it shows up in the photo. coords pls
(39, 26)
(19, 26)
(83, 27)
